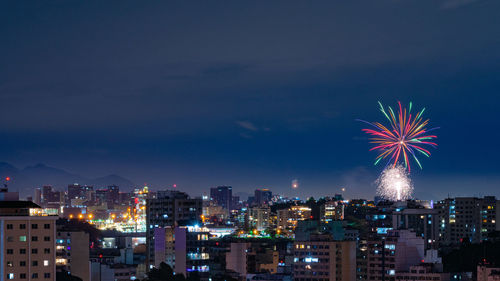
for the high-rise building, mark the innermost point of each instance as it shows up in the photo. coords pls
(468, 218)
(101, 196)
(184, 248)
(288, 218)
(332, 211)
(322, 259)
(78, 194)
(262, 196)
(74, 191)
(50, 197)
(258, 218)
(113, 195)
(222, 196)
(423, 221)
(37, 199)
(72, 253)
(27, 242)
(391, 252)
(169, 208)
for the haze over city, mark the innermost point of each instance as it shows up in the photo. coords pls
(249, 140)
(209, 93)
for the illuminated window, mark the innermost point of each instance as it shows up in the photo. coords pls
(22, 238)
(10, 276)
(46, 263)
(61, 261)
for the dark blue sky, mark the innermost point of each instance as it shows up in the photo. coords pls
(249, 94)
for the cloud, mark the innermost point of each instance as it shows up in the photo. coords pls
(452, 4)
(250, 129)
(246, 136)
(247, 125)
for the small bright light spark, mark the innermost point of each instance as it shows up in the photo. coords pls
(295, 184)
(394, 184)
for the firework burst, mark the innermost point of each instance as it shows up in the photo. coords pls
(404, 138)
(394, 184)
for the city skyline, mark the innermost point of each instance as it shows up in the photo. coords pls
(201, 95)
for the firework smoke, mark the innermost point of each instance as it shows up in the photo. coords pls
(394, 184)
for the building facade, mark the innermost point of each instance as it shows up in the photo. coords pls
(392, 252)
(289, 218)
(332, 211)
(27, 242)
(72, 253)
(423, 221)
(186, 249)
(258, 218)
(468, 218)
(222, 196)
(169, 208)
(322, 259)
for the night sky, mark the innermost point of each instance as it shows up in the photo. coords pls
(249, 94)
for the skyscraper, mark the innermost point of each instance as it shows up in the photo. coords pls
(262, 196)
(74, 191)
(467, 218)
(222, 196)
(169, 208)
(113, 195)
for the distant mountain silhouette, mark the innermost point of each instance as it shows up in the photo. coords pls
(122, 182)
(27, 179)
